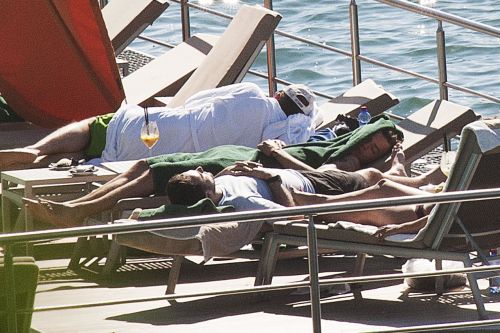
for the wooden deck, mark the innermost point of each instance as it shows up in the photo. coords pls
(384, 306)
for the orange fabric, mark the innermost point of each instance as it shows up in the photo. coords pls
(56, 61)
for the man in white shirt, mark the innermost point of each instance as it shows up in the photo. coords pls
(249, 186)
(238, 114)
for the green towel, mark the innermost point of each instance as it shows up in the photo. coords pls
(318, 153)
(214, 160)
(202, 207)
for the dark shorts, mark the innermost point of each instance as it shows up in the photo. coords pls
(98, 130)
(334, 182)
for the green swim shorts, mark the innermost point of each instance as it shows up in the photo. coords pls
(98, 130)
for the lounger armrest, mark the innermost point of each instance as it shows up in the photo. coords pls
(145, 202)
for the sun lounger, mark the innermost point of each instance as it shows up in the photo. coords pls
(233, 54)
(166, 74)
(368, 93)
(425, 129)
(442, 238)
(126, 19)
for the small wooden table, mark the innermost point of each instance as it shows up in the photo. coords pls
(59, 185)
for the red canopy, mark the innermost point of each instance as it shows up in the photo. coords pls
(56, 61)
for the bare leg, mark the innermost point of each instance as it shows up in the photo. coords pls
(377, 217)
(71, 138)
(73, 213)
(373, 176)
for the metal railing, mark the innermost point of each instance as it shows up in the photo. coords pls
(8, 241)
(355, 53)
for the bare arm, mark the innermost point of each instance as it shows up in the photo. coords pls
(403, 228)
(273, 148)
(346, 163)
(280, 194)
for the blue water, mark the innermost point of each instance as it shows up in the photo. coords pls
(387, 34)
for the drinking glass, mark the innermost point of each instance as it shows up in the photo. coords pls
(150, 134)
(447, 160)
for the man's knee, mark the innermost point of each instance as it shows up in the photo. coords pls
(140, 166)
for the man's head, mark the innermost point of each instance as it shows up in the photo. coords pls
(375, 146)
(296, 98)
(191, 186)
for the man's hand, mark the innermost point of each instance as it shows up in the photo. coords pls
(270, 146)
(237, 168)
(387, 230)
(248, 168)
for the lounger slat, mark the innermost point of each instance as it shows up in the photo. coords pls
(126, 19)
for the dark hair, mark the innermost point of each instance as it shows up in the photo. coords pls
(392, 136)
(182, 191)
(288, 106)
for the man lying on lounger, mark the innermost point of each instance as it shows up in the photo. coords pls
(246, 186)
(151, 176)
(239, 114)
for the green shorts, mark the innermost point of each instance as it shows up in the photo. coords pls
(98, 130)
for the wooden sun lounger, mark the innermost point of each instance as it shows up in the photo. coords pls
(234, 53)
(126, 19)
(368, 93)
(165, 75)
(425, 129)
(203, 61)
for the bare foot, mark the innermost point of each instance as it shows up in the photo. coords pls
(12, 157)
(434, 176)
(303, 198)
(57, 213)
(398, 159)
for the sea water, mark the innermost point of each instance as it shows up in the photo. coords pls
(387, 34)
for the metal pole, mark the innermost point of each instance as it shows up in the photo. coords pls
(441, 55)
(314, 275)
(271, 57)
(356, 63)
(186, 23)
(10, 290)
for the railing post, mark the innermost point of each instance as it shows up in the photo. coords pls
(271, 58)
(441, 57)
(186, 24)
(356, 64)
(312, 254)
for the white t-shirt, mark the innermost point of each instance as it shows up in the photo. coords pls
(239, 114)
(244, 193)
